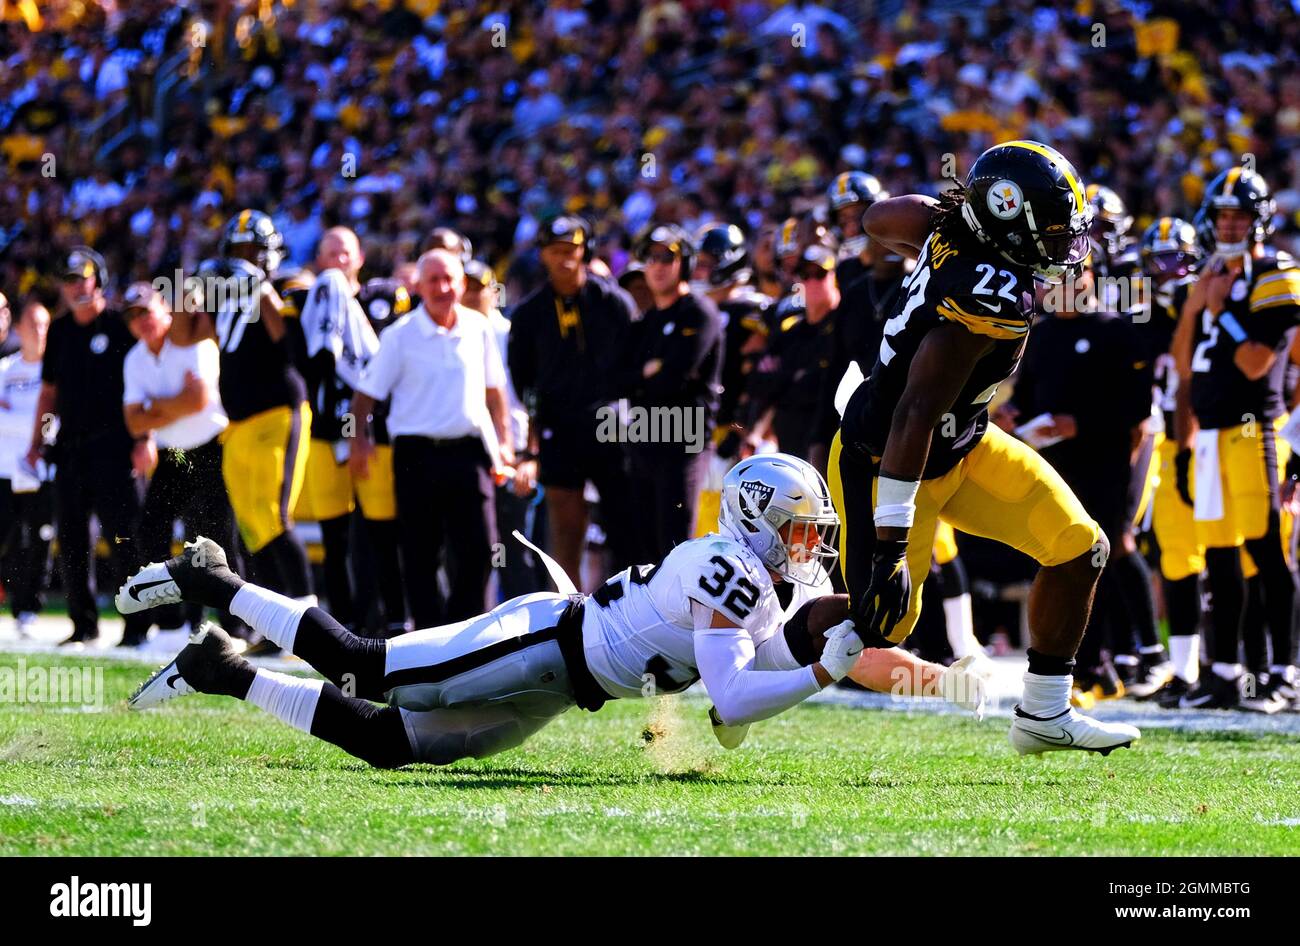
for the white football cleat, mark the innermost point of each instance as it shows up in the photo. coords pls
(199, 574)
(965, 684)
(150, 587)
(729, 737)
(207, 664)
(1069, 730)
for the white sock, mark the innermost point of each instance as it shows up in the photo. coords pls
(961, 626)
(1046, 696)
(1226, 671)
(1185, 653)
(289, 699)
(272, 614)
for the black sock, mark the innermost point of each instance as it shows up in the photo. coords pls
(343, 658)
(338, 583)
(1279, 585)
(1182, 605)
(388, 570)
(1133, 580)
(290, 565)
(374, 734)
(952, 579)
(1048, 666)
(1227, 594)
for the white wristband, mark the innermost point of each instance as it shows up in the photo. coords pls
(896, 502)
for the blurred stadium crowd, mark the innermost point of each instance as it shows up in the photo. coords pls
(142, 129)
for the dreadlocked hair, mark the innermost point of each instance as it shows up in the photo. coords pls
(947, 215)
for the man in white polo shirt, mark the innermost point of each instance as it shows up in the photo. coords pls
(450, 429)
(170, 401)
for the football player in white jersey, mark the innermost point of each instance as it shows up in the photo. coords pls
(710, 610)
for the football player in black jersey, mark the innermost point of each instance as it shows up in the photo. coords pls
(1230, 349)
(1169, 253)
(915, 441)
(264, 456)
(340, 338)
(849, 196)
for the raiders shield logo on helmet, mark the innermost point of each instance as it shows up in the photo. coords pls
(754, 497)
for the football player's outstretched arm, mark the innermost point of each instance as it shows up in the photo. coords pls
(724, 654)
(939, 370)
(901, 224)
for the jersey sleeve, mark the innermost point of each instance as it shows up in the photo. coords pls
(994, 317)
(720, 577)
(1274, 305)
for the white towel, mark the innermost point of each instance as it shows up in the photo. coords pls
(1208, 484)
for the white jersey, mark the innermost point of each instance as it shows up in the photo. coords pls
(20, 387)
(638, 630)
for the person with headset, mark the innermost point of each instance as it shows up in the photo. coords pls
(568, 339)
(673, 386)
(99, 466)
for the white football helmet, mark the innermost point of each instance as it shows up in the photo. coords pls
(763, 495)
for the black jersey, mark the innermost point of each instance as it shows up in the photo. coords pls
(865, 303)
(745, 331)
(848, 270)
(1265, 300)
(384, 301)
(85, 363)
(1093, 368)
(955, 280)
(257, 373)
(792, 373)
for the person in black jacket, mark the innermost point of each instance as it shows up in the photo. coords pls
(1083, 399)
(568, 340)
(673, 387)
(99, 466)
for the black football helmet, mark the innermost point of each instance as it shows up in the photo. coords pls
(1111, 220)
(853, 191)
(1169, 249)
(252, 228)
(1026, 200)
(722, 259)
(1240, 189)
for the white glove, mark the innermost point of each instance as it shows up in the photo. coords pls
(965, 684)
(841, 651)
(729, 737)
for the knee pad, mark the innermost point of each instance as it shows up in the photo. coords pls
(1076, 539)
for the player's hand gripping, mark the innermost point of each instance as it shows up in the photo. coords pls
(885, 601)
(841, 650)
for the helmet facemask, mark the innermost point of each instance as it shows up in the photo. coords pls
(811, 548)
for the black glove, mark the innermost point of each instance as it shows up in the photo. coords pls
(1182, 474)
(886, 599)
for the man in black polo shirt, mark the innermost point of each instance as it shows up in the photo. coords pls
(674, 385)
(95, 457)
(568, 340)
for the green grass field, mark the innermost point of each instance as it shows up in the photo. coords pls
(205, 775)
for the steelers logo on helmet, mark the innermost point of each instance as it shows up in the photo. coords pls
(1005, 200)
